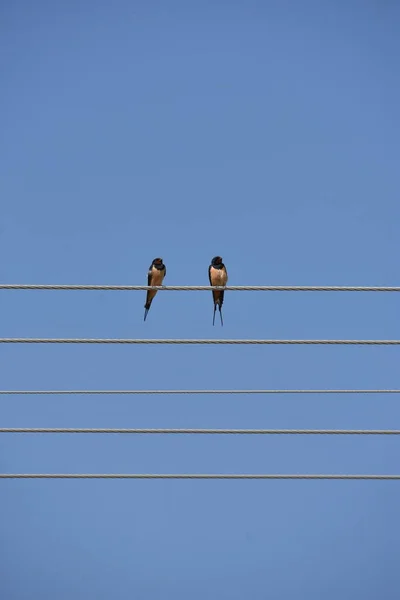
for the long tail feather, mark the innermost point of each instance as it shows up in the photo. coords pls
(220, 314)
(215, 308)
(146, 310)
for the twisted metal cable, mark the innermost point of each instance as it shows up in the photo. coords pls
(190, 476)
(193, 341)
(194, 392)
(200, 431)
(190, 288)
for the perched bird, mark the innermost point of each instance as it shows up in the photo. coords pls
(217, 275)
(155, 276)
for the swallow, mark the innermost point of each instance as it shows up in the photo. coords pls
(155, 276)
(218, 275)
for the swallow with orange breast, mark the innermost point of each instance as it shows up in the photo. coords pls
(155, 276)
(218, 276)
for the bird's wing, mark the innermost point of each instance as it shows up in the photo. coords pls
(216, 293)
(150, 293)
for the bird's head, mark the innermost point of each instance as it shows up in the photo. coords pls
(158, 261)
(217, 260)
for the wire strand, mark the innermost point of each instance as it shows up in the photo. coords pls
(194, 392)
(191, 476)
(191, 288)
(200, 431)
(193, 341)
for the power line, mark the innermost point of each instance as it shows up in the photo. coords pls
(191, 288)
(189, 476)
(198, 431)
(193, 341)
(194, 392)
(201, 431)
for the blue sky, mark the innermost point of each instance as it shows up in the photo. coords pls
(268, 133)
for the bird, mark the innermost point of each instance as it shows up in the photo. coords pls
(218, 275)
(155, 276)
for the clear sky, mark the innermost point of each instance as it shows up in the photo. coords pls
(268, 133)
